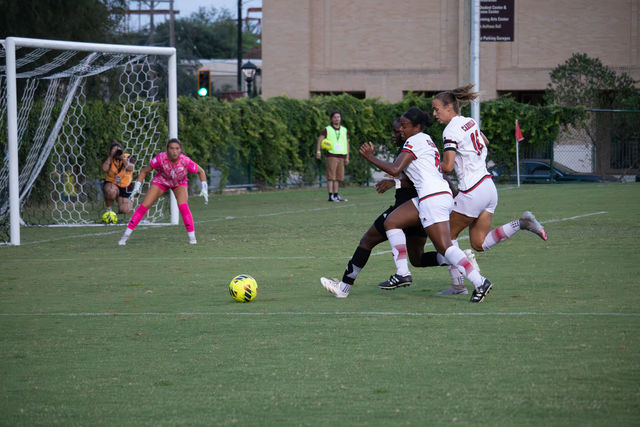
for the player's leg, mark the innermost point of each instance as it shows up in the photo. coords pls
(526, 222)
(110, 192)
(331, 165)
(457, 223)
(406, 215)
(358, 260)
(154, 193)
(339, 179)
(435, 214)
(182, 197)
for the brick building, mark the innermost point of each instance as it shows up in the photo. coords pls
(384, 48)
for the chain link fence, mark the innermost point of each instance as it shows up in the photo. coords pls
(607, 145)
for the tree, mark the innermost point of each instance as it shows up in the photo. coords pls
(586, 81)
(74, 20)
(615, 136)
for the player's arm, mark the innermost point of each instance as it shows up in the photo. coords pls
(143, 173)
(394, 169)
(484, 138)
(319, 146)
(452, 186)
(204, 192)
(128, 163)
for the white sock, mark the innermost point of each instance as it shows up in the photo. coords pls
(192, 235)
(456, 277)
(127, 232)
(500, 234)
(344, 287)
(398, 242)
(458, 259)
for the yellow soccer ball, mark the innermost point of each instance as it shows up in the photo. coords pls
(243, 288)
(110, 217)
(326, 144)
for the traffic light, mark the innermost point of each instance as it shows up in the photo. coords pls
(204, 83)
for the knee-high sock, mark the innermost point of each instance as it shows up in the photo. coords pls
(398, 242)
(457, 258)
(355, 264)
(186, 217)
(500, 234)
(456, 276)
(137, 216)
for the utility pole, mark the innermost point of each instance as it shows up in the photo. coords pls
(239, 45)
(172, 25)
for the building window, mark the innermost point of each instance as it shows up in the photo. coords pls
(355, 94)
(531, 97)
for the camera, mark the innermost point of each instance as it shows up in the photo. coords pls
(118, 152)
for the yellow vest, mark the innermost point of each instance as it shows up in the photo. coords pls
(338, 139)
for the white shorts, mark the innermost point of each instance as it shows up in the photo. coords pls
(434, 209)
(483, 197)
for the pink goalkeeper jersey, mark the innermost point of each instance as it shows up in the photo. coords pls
(169, 174)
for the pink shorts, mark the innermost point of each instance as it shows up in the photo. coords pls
(164, 188)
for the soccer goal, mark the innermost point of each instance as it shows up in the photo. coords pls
(51, 164)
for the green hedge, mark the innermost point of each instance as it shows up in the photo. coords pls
(278, 136)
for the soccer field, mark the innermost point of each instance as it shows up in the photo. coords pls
(146, 334)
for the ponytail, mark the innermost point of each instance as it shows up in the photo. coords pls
(458, 97)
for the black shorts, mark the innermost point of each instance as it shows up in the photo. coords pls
(123, 191)
(416, 231)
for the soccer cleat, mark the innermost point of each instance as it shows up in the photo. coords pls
(528, 222)
(123, 240)
(193, 241)
(481, 292)
(452, 290)
(396, 281)
(333, 286)
(339, 199)
(472, 259)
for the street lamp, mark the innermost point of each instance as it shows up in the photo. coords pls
(249, 72)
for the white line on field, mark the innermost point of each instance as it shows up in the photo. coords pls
(322, 313)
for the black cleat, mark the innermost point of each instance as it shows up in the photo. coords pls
(481, 292)
(396, 281)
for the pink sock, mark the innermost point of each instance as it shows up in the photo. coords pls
(186, 217)
(137, 216)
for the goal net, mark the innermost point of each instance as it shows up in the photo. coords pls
(52, 150)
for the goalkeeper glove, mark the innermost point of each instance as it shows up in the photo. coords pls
(136, 189)
(205, 192)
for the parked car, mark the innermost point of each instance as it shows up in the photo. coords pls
(537, 171)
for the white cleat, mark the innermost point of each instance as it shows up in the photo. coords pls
(193, 242)
(472, 259)
(333, 286)
(123, 241)
(529, 222)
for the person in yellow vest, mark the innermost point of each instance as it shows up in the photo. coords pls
(118, 183)
(337, 155)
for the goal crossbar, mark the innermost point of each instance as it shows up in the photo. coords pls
(11, 44)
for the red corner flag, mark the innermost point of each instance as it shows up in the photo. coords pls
(519, 136)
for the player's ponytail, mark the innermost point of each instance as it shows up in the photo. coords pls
(418, 117)
(458, 97)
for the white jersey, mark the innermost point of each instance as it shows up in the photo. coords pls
(424, 171)
(462, 134)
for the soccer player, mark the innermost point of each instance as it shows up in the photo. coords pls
(416, 236)
(171, 173)
(420, 161)
(465, 151)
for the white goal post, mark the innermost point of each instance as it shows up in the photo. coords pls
(11, 44)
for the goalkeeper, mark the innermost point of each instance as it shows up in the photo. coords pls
(171, 173)
(117, 185)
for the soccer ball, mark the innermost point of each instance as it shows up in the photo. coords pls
(326, 144)
(110, 217)
(243, 288)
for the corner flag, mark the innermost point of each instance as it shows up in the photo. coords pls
(519, 136)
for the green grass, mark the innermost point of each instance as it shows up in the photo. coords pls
(147, 334)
